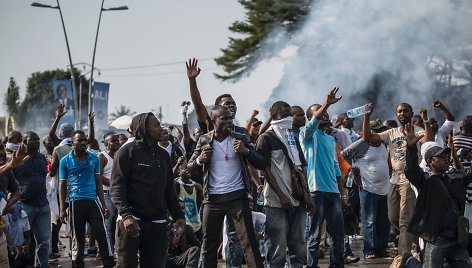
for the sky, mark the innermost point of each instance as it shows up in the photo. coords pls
(151, 32)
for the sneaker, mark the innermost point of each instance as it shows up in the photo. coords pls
(98, 257)
(397, 261)
(351, 259)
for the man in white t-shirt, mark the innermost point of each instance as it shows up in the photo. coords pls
(401, 197)
(223, 156)
(371, 159)
(440, 133)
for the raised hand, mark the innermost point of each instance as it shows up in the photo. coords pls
(424, 114)
(331, 98)
(19, 157)
(60, 111)
(255, 113)
(438, 104)
(369, 109)
(410, 136)
(192, 68)
(91, 117)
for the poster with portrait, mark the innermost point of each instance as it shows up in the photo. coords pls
(63, 95)
(100, 104)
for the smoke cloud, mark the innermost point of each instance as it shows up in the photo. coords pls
(386, 52)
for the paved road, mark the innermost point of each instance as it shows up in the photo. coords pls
(356, 247)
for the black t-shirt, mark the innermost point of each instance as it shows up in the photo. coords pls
(8, 183)
(31, 177)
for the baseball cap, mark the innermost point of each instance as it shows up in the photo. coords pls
(435, 151)
(255, 121)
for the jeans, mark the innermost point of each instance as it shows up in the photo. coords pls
(328, 207)
(375, 224)
(435, 254)
(234, 254)
(401, 205)
(285, 229)
(110, 222)
(188, 259)
(40, 222)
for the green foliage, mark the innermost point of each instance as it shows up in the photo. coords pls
(12, 98)
(262, 18)
(37, 108)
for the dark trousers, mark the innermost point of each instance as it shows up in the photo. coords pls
(82, 212)
(188, 259)
(55, 228)
(151, 244)
(435, 254)
(238, 215)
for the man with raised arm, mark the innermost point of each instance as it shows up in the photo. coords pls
(204, 121)
(401, 197)
(325, 182)
(223, 156)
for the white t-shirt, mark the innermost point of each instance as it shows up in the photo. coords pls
(168, 148)
(372, 162)
(352, 136)
(226, 169)
(443, 131)
(107, 169)
(17, 232)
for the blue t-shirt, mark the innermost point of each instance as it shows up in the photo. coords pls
(80, 176)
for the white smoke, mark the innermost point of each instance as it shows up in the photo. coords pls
(382, 51)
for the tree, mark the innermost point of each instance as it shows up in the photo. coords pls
(120, 111)
(12, 98)
(37, 108)
(262, 18)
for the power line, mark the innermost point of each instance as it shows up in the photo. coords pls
(150, 74)
(149, 66)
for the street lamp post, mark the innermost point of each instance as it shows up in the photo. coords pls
(74, 92)
(90, 103)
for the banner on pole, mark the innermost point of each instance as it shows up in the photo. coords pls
(100, 104)
(62, 90)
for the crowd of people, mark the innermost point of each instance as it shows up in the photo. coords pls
(279, 193)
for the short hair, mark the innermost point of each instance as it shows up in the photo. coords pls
(216, 109)
(220, 97)
(309, 112)
(405, 104)
(78, 131)
(93, 144)
(341, 118)
(28, 134)
(278, 106)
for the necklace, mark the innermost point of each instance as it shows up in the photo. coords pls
(225, 152)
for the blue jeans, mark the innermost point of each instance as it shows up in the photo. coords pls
(435, 254)
(40, 222)
(328, 207)
(110, 222)
(375, 223)
(285, 229)
(234, 254)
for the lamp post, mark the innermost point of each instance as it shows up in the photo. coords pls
(90, 103)
(80, 89)
(74, 92)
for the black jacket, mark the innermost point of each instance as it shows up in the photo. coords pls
(141, 182)
(253, 158)
(432, 199)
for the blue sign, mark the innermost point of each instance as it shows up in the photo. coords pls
(62, 90)
(100, 104)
